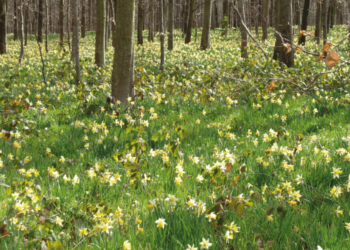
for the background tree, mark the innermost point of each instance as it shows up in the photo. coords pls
(318, 29)
(302, 39)
(162, 35)
(3, 26)
(100, 33)
(21, 30)
(151, 21)
(47, 26)
(140, 23)
(205, 41)
(171, 25)
(324, 22)
(244, 35)
(265, 19)
(15, 25)
(225, 21)
(61, 22)
(123, 64)
(40, 20)
(190, 21)
(83, 18)
(75, 42)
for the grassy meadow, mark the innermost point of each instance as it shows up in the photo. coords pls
(216, 153)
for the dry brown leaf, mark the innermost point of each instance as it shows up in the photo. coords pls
(326, 47)
(332, 59)
(272, 85)
(310, 33)
(301, 33)
(298, 49)
(319, 58)
(287, 48)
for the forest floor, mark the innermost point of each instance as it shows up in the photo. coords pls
(241, 153)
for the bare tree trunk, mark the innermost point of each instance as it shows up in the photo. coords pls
(324, 22)
(83, 18)
(61, 22)
(265, 19)
(40, 20)
(75, 42)
(3, 27)
(244, 35)
(162, 35)
(90, 14)
(47, 27)
(15, 24)
(318, 30)
(123, 65)
(286, 29)
(100, 33)
(185, 16)
(151, 21)
(140, 23)
(278, 42)
(302, 39)
(225, 20)
(190, 21)
(171, 25)
(27, 23)
(107, 32)
(21, 30)
(205, 42)
(68, 22)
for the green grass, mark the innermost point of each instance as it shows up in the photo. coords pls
(70, 117)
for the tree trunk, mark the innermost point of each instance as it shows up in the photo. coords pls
(286, 30)
(68, 23)
(244, 35)
(15, 24)
(185, 16)
(100, 33)
(151, 21)
(171, 25)
(3, 28)
(61, 22)
(297, 14)
(123, 65)
(318, 22)
(75, 42)
(162, 35)
(27, 23)
(90, 14)
(107, 32)
(21, 31)
(225, 20)
(40, 20)
(190, 21)
(140, 23)
(265, 19)
(83, 18)
(324, 23)
(205, 42)
(334, 13)
(302, 39)
(47, 27)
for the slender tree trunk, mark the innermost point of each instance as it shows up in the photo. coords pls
(226, 12)
(3, 27)
(334, 13)
(15, 24)
(40, 20)
(244, 35)
(171, 25)
(265, 19)
(61, 22)
(68, 23)
(272, 14)
(304, 21)
(286, 24)
(27, 23)
(329, 16)
(205, 41)
(151, 21)
(324, 22)
(123, 65)
(185, 17)
(140, 23)
(278, 42)
(190, 21)
(318, 30)
(21, 30)
(83, 18)
(297, 14)
(75, 42)
(47, 26)
(90, 14)
(162, 35)
(100, 33)
(107, 32)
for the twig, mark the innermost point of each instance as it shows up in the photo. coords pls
(4, 185)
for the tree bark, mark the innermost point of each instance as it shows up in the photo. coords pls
(244, 35)
(68, 23)
(171, 25)
(100, 33)
(225, 20)
(61, 22)
(205, 41)
(302, 39)
(318, 22)
(21, 30)
(40, 20)
(15, 24)
(162, 35)
(265, 19)
(75, 42)
(123, 65)
(83, 18)
(190, 21)
(324, 22)
(151, 21)
(90, 14)
(140, 23)
(47, 27)
(107, 32)
(27, 23)
(185, 16)
(3, 26)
